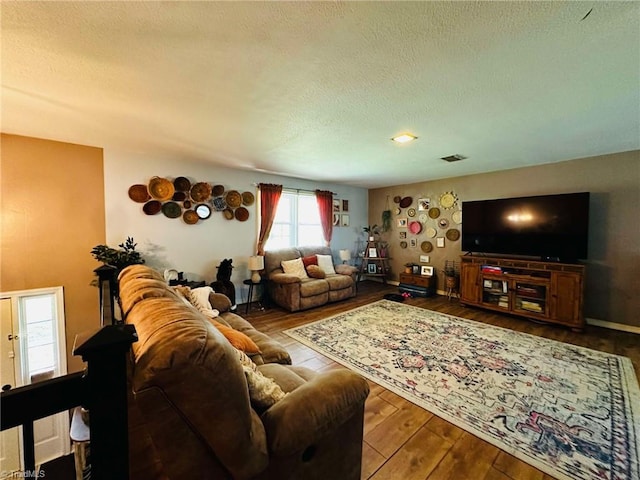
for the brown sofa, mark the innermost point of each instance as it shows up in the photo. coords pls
(193, 393)
(293, 293)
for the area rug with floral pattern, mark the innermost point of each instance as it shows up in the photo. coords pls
(569, 411)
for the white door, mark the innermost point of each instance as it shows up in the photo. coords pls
(10, 439)
(40, 354)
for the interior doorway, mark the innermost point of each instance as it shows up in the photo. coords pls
(33, 349)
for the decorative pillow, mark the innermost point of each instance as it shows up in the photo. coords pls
(236, 338)
(184, 293)
(310, 260)
(294, 267)
(315, 271)
(325, 262)
(199, 298)
(263, 391)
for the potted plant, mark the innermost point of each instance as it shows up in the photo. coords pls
(372, 231)
(120, 257)
(451, 274)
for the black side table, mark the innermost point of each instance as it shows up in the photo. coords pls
(250, 295)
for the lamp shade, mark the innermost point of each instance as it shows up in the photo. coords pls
(345, 255)
(256, 262)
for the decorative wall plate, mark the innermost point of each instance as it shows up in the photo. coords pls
(406, 201)
(190, 217)
(411, 212)
(247, 198)
(397, 211)
(434, 212)
(457, 216)
(161, 188)
(203, 211)
(218, 190)
(403, 244)
(443, 223)
(448, 200)
(171, 209)
(139, 193)
(423, 217)
(431, 232)
(234, 199)
(201, 192)
(426, 247)
(182, 184)
(453, 234)
(152, 207)
(415, 227)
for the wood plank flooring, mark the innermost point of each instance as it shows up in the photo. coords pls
(405, 442)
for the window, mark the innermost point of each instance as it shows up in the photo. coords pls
(297, 221)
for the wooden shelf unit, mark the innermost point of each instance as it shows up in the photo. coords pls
(370, 261)
(543, 291)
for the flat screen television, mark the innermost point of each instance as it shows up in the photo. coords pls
(552, 227)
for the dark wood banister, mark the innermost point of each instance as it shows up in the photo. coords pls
(102, 388)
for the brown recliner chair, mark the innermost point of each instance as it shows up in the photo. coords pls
(194, 397)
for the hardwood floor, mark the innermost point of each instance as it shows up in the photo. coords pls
(405, 442)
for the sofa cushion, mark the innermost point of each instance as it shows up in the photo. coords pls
(294, 267)
(238, 339)
(338, 282)
(314, 271)
(271, 350)
(310, 260)
(325, 262)
(311, 287)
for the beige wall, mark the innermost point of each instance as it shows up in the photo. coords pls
(52, 204)
(613, 283)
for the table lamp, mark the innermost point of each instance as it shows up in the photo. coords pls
(345, 256)
(256, 263)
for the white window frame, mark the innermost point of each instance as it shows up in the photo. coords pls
(293, 223)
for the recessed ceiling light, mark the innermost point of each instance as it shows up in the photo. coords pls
(404, 138)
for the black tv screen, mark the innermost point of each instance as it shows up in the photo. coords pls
(553, 227)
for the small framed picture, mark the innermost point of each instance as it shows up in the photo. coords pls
(403, 235)
(336, 219)
(345, 220)
(402, 223)
(413, 243)
(336, 205)
(424, 258)
(424, 204)
(371, 268)
(426, 270)
(345, 205)
(440, 242)
(373, 253)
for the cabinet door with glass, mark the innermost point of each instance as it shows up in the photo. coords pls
(530, 297)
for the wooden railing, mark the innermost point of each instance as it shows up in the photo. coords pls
(102, 388)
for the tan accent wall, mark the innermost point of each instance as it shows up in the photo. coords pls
(52, 205)
(613, 283)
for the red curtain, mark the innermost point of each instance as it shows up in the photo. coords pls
(269, 198)
(325, 204)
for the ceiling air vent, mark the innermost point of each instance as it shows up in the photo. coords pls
(454, 158)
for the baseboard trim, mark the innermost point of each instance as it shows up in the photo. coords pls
(613, 326)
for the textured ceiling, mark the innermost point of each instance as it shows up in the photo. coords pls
(316, 89)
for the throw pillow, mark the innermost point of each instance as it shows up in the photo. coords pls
(199, 298)
(310, 260)
(263, 391)
(315, 271)
(236, 338)
(294, 267)
(325, 262)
